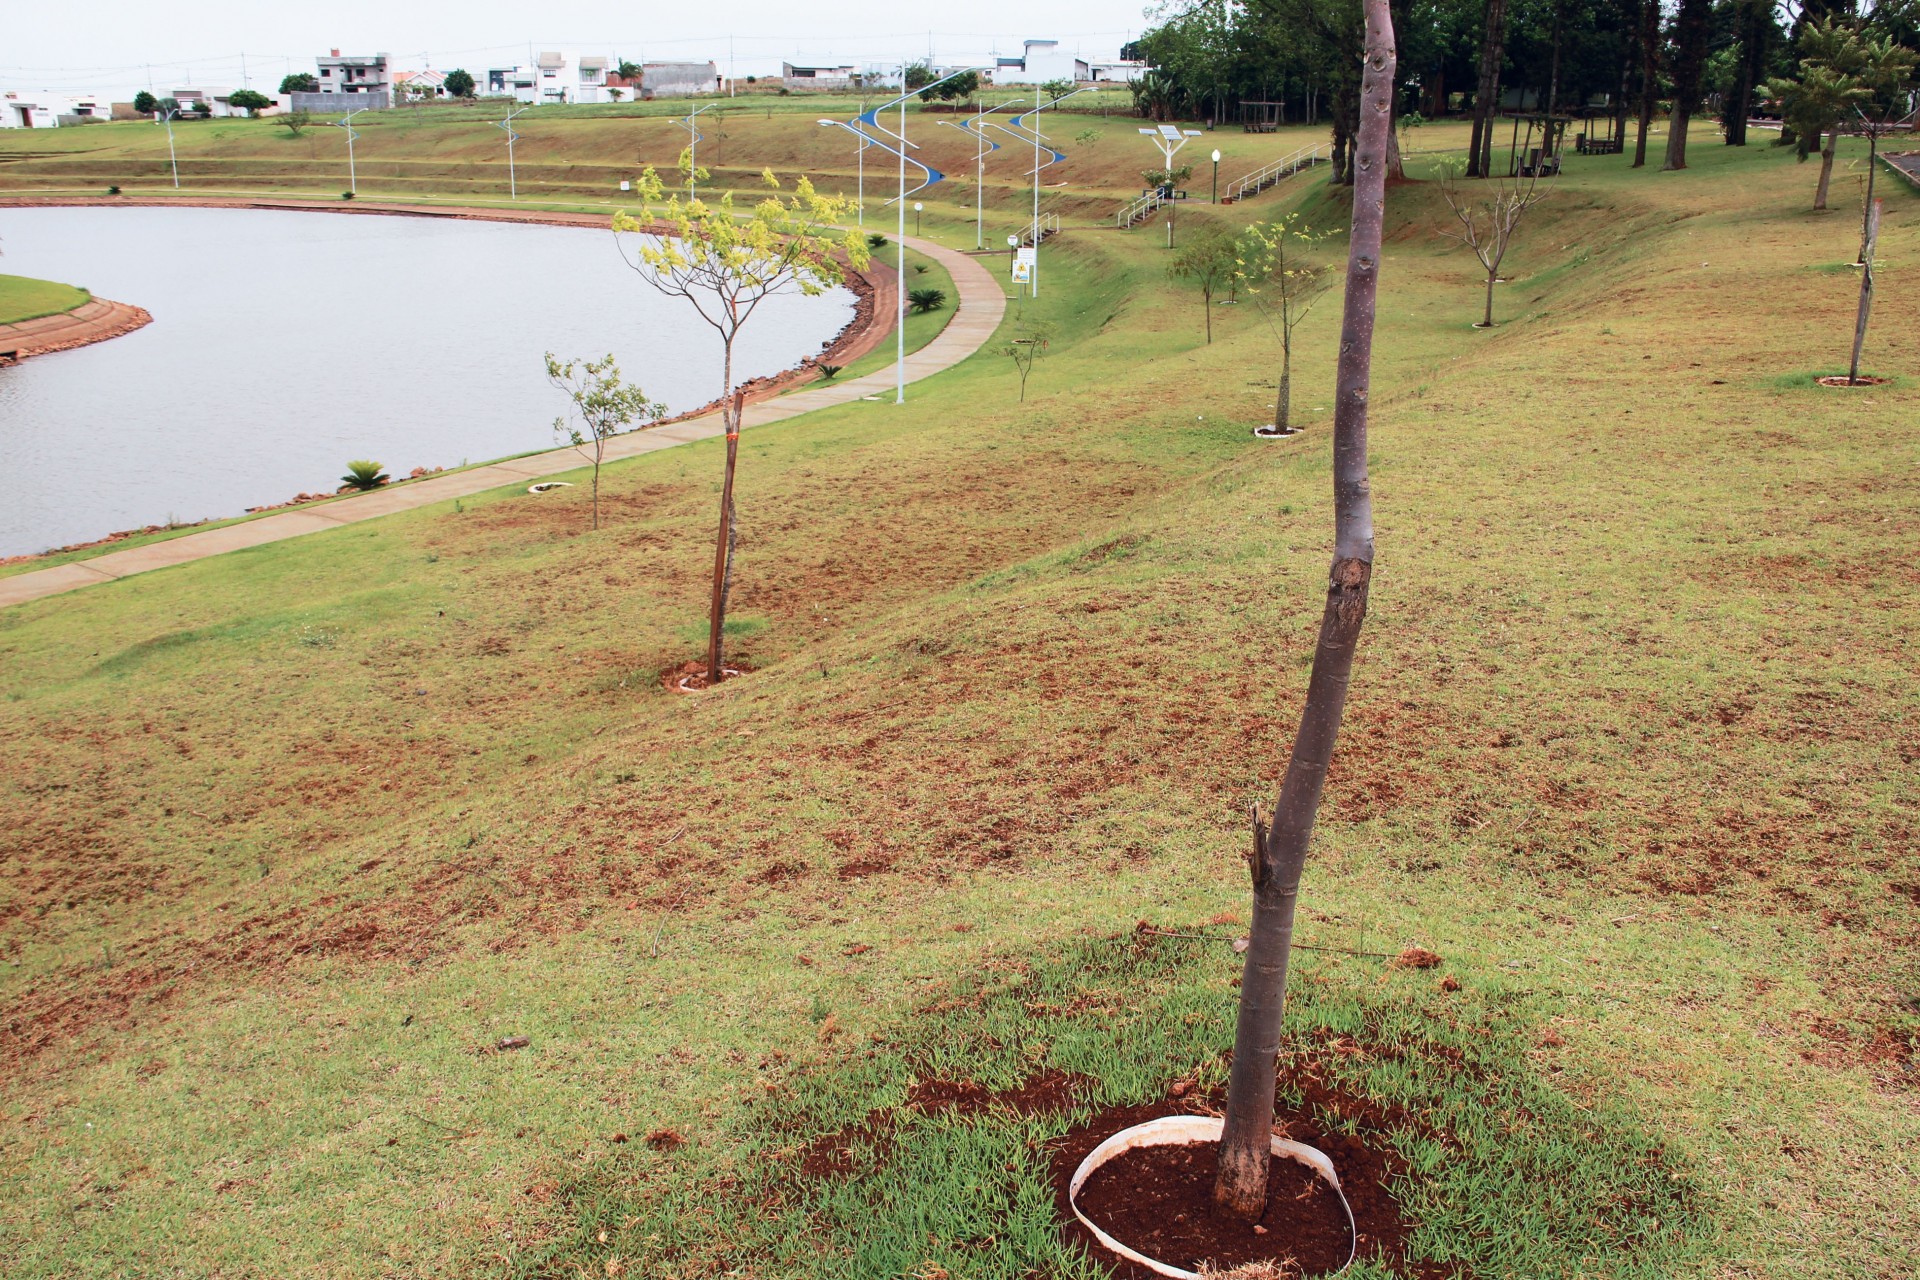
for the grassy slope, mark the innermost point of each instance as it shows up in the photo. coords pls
(294, 833)
(22, 298)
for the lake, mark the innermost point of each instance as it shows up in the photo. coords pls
(286, 344)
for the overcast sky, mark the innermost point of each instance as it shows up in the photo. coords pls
(105, 46)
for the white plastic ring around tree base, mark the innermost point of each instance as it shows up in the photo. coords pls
(1185, 1131)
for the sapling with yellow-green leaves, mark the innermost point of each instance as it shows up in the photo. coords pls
(1277, 268)
(725, 262)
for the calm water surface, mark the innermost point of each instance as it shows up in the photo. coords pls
(284, 345)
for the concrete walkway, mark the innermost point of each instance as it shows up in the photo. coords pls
(978, 312)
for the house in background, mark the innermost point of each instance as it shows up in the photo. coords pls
(1039, 62)
(419, 84)
(517, 83)
(678, 79)
(23, 110)
(365, 78)
(565, 76)
(840, 77)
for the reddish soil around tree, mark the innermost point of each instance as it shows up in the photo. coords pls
(1158, 1201)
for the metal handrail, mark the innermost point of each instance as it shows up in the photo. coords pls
(1260, 179)
(1138, 209)
(1048, 225)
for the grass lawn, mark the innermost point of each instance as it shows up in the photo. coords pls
(22, 298)
(293, 838)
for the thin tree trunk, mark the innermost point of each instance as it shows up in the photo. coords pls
(1280, 854)
(1826, 169)
(1283, 403)
(1866, 210)
(1553, 73)
(1206, 304)
(599, 445)
(1866, 292)
(1492, 279)
(723, 540)
(1486, 92)
(1649, 76)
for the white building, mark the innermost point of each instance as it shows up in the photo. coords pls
(840, 77)
(1044, 60)
(556, 76)
(23, 110)
(355, 74)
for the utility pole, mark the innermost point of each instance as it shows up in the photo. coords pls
(346, 122)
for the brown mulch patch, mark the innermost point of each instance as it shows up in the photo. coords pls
(1158, 1201)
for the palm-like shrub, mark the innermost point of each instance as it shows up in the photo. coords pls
(363, 475)
(927, 299)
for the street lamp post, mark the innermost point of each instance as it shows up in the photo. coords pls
(171, 158)
(513, 180)
(1039, 105)
(693, 152)
(1216, 175)
(346, 122)
(860, 162)
(917, 207)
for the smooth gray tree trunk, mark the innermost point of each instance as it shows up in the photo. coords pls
(1279, 853)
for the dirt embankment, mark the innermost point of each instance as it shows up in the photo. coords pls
(93, 321)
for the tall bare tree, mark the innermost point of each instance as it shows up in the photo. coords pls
(1280, 850)
(1648, 36)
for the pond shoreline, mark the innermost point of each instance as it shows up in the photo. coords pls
(875, 289)
(875, 294)
(94, 320)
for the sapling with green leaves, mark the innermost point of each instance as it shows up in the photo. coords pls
(1278, 269)
(1208, 262)
(1279, 850)
(1029, 343)
(724, 263)
(604, 406)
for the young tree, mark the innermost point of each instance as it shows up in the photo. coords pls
(1280, 850)
(1279, 273)
(1208, 261)
(296, 121)
(918, 75)
(203, 108)
(724, 267)
(629, 71)
(1028, 344)
(145, 103)
(1057, 88)
(1843, 72)
(1872, 234)
(459, 83)
(251, 101)
(1487, 226)
(605, 405)
(300, 82)
(1690, 31)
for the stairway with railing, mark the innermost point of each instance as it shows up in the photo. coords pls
(1138, 209)
(1260, 179)
(1047, 225)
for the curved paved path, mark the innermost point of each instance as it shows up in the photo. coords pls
(977, 315)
